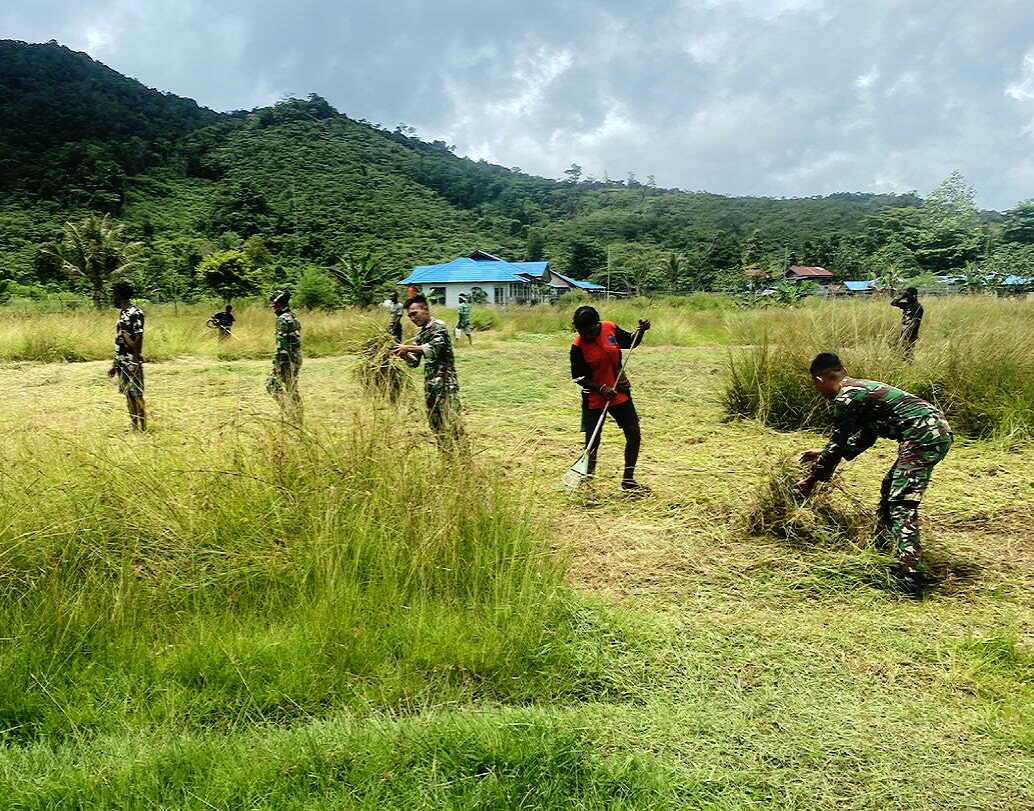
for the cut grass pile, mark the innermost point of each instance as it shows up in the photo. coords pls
(823, 519)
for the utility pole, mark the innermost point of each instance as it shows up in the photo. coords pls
(608, 273)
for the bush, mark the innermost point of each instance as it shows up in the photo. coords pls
(315, 290)
(482, 320)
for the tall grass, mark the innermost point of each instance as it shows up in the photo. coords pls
(974, 360)
(171, 332)
(266, 575)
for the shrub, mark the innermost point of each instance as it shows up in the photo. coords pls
(315, 290)
(484, 319)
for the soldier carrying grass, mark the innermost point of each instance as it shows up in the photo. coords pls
(911, 319)
(864, 410)
(433, 346)
(282, 382)
(129, 345)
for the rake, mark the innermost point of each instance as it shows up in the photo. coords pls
(579, 471)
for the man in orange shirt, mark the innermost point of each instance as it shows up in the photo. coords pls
(595, 362)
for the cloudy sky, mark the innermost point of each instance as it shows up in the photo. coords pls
(780, 98)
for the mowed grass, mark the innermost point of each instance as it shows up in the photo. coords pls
(695, 667)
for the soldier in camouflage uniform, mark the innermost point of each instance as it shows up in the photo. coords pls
(862, 411)
(433, 345)
(283, 380)
(463, 318)
(911, 318)
(129, 361)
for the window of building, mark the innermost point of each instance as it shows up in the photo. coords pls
(500, 295)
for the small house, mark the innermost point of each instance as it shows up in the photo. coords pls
(487, 279)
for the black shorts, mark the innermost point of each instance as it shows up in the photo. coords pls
(624, 415)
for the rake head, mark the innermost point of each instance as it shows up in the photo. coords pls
(575, 475)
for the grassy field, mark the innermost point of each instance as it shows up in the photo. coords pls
(229, 612)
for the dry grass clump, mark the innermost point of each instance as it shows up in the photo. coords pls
(379, 370)
(827, 517)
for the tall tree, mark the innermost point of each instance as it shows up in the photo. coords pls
(94, 251)
(951, 233)
(229, 274)
(1018, 225)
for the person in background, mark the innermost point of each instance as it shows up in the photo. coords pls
(282, 382)
(395, 319)
(911, 319)
(224, 321)
(129, 361)
(463, 319)
(862, 411)
(433, 346)
(595, 362)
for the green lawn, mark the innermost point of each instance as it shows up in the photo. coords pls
(696, 667)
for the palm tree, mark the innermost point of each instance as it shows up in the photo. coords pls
(362, 278)
(672, 268)
(94, 251)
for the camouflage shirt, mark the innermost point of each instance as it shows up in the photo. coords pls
(463, 315)
(439, 361)
(288, 337)
(866, 409)
(130, 320)
(911, 315)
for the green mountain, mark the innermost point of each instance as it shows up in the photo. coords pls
(301, 184)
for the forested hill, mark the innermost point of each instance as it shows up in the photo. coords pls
(308, 186)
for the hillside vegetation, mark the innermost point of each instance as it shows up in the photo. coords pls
(304, 188)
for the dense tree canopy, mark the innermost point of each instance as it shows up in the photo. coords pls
(308, 186)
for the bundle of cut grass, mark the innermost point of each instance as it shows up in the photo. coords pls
(827, 517)
(379, 370)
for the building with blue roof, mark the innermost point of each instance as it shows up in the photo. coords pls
(487, 278)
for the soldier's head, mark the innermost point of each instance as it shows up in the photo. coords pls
(394, 297)
(280, 300)
(587, 321)
(229, 308)
(417, 310)
(827, 372)
(911, 292)
(121, 293)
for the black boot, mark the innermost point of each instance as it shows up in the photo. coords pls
(911, 586)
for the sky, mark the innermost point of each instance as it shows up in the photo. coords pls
(775, 98)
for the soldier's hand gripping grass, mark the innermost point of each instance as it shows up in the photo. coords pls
(864, 410)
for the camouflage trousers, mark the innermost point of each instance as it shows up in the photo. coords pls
(444, 417)
(130, 377)
(282, 383)
(900, 494)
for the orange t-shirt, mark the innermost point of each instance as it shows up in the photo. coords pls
(603, 358)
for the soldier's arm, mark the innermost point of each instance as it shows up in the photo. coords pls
(845, 428)
(859, 442)
(436, 343)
